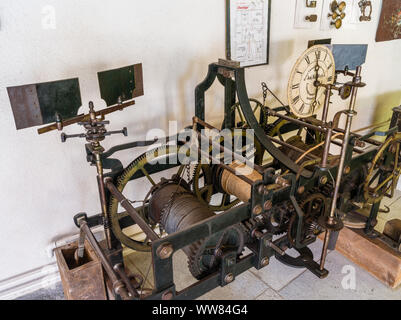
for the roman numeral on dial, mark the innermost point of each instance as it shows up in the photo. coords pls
(295, 86)
(295, 100)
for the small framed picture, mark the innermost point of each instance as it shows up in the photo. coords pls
(248, 31)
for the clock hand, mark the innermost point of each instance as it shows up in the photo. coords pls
(316, 84)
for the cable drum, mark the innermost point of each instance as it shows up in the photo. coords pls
(176, 208)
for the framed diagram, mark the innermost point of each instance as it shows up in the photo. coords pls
(248, 31)
(390, 21)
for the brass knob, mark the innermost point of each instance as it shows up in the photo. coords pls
(338, 6)
(333, 6)
(311, 18)
(336, 15)
(341, 6)
(338, 23)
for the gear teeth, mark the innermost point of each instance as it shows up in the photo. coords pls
(121, 181)
(193, 260)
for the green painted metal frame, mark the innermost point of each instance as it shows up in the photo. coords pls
(163, 268)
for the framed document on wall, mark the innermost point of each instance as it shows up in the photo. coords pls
(247, 31)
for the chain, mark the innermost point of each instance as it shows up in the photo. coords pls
(264, 90)
(188, 169)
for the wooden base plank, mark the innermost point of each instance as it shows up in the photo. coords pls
(372, 255)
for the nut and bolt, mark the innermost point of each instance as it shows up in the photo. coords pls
(229, 278)
(301, 190)
(347, 170)
(165, 251)
(264, 262)
(257, 209)
(323, 180)
(268, 205)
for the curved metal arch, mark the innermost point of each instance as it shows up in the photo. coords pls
(259, 132)
(240, 88)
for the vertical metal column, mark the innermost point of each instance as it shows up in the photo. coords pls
(350, 114)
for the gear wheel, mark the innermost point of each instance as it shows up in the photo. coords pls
(314, 206)
(131, 172)
(277, 219)
(204, 255)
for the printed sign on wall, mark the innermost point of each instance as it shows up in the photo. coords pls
(247, 27)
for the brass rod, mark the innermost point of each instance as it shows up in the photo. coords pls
(297, 121)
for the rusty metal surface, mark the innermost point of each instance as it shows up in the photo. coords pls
(37, 104)
(25, 106)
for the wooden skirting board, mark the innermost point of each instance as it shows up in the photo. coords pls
(372, 255)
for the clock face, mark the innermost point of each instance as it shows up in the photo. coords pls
(314, 67)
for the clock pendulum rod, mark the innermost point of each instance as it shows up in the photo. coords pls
(331, 223)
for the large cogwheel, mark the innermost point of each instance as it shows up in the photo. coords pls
(140, 165)
(204, 255)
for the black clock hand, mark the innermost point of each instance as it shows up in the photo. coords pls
(316, 84)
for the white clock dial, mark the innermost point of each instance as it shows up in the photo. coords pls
(315, 66)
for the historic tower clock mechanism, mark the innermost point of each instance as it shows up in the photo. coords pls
(293, 189)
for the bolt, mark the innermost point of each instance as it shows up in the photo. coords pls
(264, 262)
(323, 180)
(268, 205)
(301, 190)
(257, 209)
(167, 295)
(261, 189)
(165, 250)
(229, 278)
(347, 170)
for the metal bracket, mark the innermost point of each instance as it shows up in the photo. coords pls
(264, 251)
(304, 260)
(363, 5)
(227, 272)
(311, 4)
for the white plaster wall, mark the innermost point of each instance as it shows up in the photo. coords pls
(43, 182)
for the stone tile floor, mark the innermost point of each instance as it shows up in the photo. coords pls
(274, 282)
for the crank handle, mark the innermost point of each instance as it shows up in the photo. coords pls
(64, 136)
(97, 122)
(124, 131)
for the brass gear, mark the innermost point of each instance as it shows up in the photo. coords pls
(384, 171)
